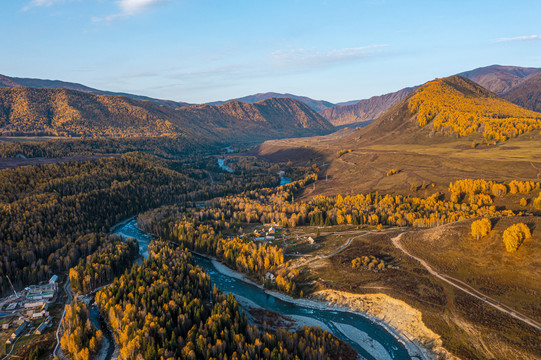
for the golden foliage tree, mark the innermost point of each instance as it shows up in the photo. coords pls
(515, 235)
(480, 228)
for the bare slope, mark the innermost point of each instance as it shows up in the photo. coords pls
(364, 110)
(527, 94)
(500, 79)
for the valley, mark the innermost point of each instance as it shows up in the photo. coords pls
(357, 243)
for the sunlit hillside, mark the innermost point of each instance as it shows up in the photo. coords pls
(455, 105)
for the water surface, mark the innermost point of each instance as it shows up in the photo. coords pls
(228, 284)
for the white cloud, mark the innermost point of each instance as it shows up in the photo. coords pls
(311, 57)
(38, 3)
(129, 8)
(520, 38)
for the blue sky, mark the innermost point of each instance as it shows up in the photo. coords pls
(205, 50)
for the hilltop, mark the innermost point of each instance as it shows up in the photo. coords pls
(316, 105)
(453, 106)
(500, 79)
(16, 82)
(30, 111)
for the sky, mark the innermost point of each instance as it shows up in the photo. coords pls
(206, 50)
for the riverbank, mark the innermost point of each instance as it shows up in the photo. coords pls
(427, 347)
(400, 319)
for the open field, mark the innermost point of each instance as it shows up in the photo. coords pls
(422, 168)
(511, 278)
(468, 327)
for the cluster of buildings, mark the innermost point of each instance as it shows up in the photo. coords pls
(29, 305)
(22, 326)
(265, 235)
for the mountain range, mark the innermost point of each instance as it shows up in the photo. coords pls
(30, 111)
(502, 80)
(453, 106)
(58, 107)
(446, 129)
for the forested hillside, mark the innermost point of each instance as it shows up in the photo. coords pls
(73, 113)
(458, 106)
(61, 112)
(53, 215)
(167, 308)
(10, 81)
(110, 260)
(49, 212)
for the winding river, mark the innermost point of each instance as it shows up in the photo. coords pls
(371, 340)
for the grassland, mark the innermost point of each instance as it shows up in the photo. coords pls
(469, 328)
(423, 167)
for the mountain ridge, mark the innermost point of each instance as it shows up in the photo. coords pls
(8, 81)
(314, 104)
(74, 113)
(527, 94)
(500, 79)
(452, 106)
(364, 110)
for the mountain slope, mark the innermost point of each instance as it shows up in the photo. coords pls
(500, 79)
(364, 110)
(527, 94)
(447, 129)
(75, 113)
(452, 106)
(496, 78)
(270, 118)
(69, 112)
(6, 81)
(313, 104)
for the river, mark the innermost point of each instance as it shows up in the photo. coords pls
(283, 180)
(371, 340)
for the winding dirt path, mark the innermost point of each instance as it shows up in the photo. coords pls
(467, 288)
